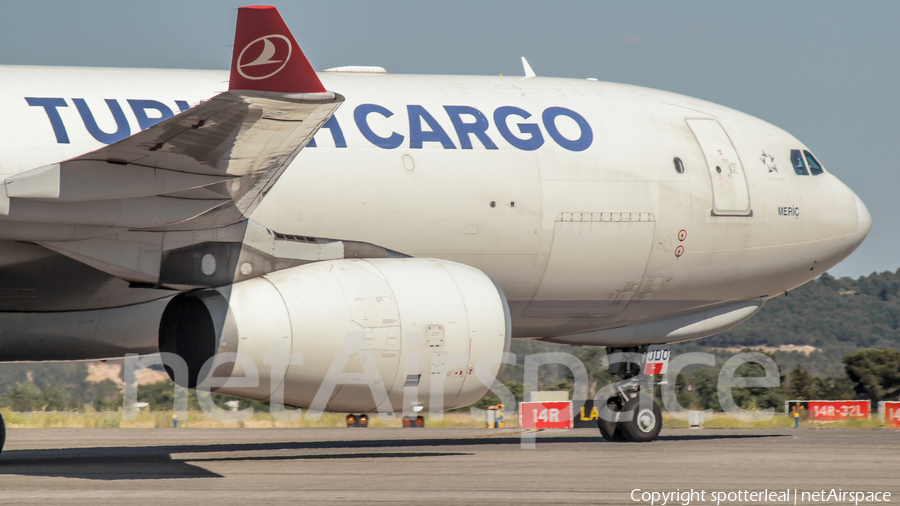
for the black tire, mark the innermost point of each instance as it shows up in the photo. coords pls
(610, 429)
(645, 421)
(2, 433)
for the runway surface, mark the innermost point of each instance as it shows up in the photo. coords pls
(436, 466)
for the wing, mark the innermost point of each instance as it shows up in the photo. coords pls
(150, 206)
(209, 166)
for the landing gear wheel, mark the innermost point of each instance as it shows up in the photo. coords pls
(2, 433)
(610, 429)
(645, 422)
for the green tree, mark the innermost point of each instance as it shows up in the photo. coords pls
(161, 397)
(55, 399)
(875, 372)
(836, 316)
(703, 385)
(24, 396)
(835, 388)
(803, 385)
(598, 374)
(758, 397)
(103, 396)
(684, 393)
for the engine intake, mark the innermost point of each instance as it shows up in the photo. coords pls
(347, 324)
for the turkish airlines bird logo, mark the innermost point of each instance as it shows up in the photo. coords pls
(264, 57)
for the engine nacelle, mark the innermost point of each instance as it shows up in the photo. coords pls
(413, 330)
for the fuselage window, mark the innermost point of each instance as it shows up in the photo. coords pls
(679, 167)
(814, 166)
(797, 162)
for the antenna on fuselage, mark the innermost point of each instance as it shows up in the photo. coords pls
(528, 71)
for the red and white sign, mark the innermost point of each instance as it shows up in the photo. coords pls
(657, 360)
(832, 411)
(891, 413)
(546, 415)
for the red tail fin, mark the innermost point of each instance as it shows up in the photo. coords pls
(266, 56)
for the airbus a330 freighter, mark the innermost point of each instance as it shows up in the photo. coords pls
(437, 217)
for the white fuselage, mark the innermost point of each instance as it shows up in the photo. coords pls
(564, 191)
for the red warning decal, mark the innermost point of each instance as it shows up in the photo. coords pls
(682, 235)
(679, 251)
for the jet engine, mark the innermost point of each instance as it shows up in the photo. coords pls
(353, 335)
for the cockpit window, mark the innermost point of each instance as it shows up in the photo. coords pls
(814, 166)
(797, 162)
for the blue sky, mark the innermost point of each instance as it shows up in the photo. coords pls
(826, 71)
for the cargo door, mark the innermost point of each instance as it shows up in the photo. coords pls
(731, 195)
(597, 262)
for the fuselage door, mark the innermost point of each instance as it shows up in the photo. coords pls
(596, 264)
(731, 195)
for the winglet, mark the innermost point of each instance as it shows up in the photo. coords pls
(266, 57)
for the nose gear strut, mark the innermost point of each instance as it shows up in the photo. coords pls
(631, 415)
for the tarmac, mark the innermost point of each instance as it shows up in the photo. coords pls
(440, 466)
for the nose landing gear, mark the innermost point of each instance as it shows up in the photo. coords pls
(645, 421)
(610, 429)
(629, 416)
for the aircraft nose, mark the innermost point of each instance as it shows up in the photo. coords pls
(864, 220)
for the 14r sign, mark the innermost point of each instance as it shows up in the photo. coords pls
(546, 415)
